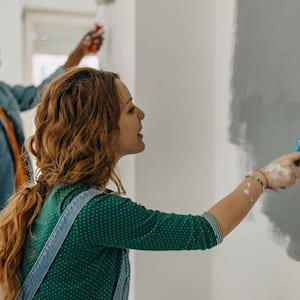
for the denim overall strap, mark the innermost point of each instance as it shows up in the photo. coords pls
(54, 243)
(122, 288)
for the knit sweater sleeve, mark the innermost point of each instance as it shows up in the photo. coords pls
(114, 221)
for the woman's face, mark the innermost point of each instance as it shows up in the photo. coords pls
(128, 139)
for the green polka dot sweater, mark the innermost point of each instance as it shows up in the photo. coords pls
(89, 262)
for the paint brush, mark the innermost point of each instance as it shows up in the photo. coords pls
(297, 149)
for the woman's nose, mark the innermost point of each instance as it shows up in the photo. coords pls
(141, 114)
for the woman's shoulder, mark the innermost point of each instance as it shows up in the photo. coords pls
(66, 193)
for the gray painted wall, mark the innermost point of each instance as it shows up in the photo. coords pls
(265, 110)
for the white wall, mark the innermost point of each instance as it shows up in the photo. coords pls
(175, 86)
(225, 154)
(11, 41)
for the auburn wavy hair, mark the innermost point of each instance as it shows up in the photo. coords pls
(75, 123)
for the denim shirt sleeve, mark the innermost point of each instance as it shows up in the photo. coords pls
(28, 97)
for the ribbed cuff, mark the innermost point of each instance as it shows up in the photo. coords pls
(215, 226)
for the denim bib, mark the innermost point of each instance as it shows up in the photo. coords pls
(54, 243)
(122, 288)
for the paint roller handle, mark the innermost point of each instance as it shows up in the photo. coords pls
(297, 149)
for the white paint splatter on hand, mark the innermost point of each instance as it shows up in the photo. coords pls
(276, 171)
(246, 191)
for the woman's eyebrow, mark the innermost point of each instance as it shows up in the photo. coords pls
(129, 100)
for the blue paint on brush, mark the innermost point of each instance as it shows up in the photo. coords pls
(297, 149)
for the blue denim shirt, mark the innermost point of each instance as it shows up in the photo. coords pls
(14, 99)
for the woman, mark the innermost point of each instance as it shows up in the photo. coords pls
(85, 123)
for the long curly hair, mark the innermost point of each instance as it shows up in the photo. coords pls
(75, 124)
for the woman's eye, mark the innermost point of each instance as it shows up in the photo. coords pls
(131, 110)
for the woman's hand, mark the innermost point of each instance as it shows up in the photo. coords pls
(282, 172)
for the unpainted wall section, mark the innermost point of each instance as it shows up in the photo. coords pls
(175, 44)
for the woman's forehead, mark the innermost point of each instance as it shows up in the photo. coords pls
(123, 92)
